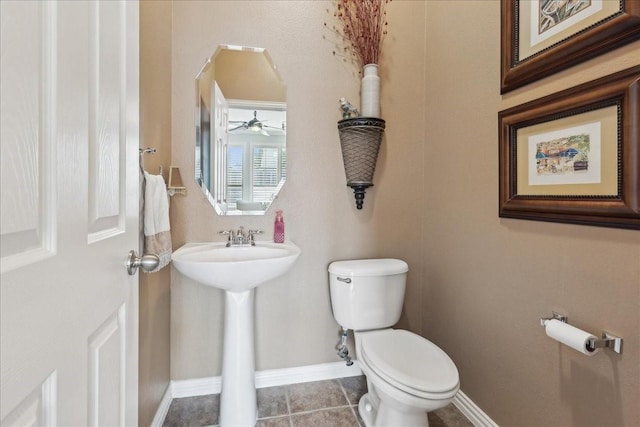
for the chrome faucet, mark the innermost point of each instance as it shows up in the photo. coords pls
(239, 237)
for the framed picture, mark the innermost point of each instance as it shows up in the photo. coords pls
(542, 37)
(574, 156)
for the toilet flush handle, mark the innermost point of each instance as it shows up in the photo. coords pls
(344, 279)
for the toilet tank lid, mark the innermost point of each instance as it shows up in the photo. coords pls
(368, 267)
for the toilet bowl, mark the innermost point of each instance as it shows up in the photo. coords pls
(407, 375)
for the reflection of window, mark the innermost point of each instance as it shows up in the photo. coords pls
(283, 163)
(265, 173)
(254, 171)
(235, 165)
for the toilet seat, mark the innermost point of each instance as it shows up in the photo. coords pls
(410, 363)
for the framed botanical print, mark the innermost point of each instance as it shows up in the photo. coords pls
(574, 156)
(542, 37)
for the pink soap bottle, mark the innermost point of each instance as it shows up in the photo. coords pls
(278, 228)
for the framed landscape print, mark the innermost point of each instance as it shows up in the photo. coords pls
(542, 37)
(574, 156)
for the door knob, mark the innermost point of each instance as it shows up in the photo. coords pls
(147, 262)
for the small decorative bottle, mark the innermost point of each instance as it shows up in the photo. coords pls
(278, 228)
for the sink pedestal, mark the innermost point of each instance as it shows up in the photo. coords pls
(238, 402)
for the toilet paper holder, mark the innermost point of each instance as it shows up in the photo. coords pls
(608, 340)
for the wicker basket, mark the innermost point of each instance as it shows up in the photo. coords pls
(360, 140)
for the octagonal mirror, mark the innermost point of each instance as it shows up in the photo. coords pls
(241, 132)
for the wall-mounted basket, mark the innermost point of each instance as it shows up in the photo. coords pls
(360, 140)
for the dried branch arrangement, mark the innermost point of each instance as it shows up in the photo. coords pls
(361, 27)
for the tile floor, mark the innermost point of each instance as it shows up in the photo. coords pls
(330, 403)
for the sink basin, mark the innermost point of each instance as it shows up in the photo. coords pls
(234, 268)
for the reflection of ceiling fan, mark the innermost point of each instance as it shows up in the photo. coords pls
(254, 125)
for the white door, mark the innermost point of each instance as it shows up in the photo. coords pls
(69, 213)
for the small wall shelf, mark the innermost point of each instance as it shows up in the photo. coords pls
(175, 185)
(360, 140)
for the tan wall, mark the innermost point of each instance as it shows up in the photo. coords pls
(488, 280)
(155, 131)
(294, 323)
(478, 284)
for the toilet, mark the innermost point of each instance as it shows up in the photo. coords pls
(407, 375)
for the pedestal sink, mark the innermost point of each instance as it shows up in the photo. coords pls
(238, 270)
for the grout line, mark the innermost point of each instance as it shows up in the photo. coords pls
(356, 408)
(355, 416)
(344, 392)
(272, 417)
(321, 409)
(286, 398)
(351, 404)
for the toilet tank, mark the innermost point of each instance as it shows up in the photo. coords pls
(368, 293)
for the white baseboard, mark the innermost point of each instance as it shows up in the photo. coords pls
(163, 408)
(472, 411)
(196, 387)
(268, 378)
(278, 377)
(305, 374)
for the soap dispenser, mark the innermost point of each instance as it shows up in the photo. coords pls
(278, 228)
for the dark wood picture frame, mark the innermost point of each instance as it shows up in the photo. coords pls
(614, 31)
(618, 92)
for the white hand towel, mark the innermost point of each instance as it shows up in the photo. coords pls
(157, 235)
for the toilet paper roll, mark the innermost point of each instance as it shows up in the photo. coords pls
(569, 335)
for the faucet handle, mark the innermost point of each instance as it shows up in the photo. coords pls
(231, 235)
(252, 234)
